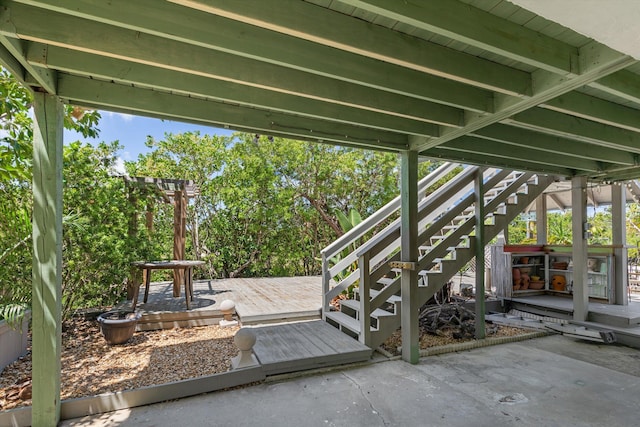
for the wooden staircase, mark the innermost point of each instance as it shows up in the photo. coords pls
(446, 220)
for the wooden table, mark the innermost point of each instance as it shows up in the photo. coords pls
(148, 266)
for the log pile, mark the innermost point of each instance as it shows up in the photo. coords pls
(446, 313)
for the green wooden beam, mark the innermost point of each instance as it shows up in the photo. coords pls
(623, 84)
(467, 24)
(41, 77)
(213, 32)
(596, 109)
(632, 173)
(340, 31)
(468, 144)
(8, 61)
(595, 62)
(84, 91)
(200, 29)
(47, 259)
(443, 153)
(542, 120)
(553, 145)
(71, 32)
(89, 65)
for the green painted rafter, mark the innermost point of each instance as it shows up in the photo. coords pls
(542, 120)
(552, 145)
(31, 76)
(623, 84)
(596, 109)
(81, 63)
(84, 91)
(595, 61)
(475, 27)
(66, 31)
(323, 26)
(225, 35)
(469, 144)
(186, 25)
(485, 160)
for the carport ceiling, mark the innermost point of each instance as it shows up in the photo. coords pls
(476, 81)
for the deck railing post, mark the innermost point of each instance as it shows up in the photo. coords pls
(326, 279)
(365, 299)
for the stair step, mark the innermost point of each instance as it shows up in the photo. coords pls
(344, 320)
(355, 305)
(392, 299)
(385, 281)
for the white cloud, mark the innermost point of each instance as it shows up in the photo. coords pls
(122, 116)
(118, 168)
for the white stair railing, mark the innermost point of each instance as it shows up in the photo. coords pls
(445, 224)
(335, 263)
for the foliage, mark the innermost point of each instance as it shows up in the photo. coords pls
(267, 206)
(16, 127)
(16, 137)
(97, 248)
(13, 314)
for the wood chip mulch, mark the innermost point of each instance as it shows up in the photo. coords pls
(90, 366)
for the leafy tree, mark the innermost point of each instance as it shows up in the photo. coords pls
(16, 135)
(16, 127)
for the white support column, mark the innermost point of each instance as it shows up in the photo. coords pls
(579, 220)
(47, 258)
(409, 253)
(541, 219)
(619, 228)
(478, 189)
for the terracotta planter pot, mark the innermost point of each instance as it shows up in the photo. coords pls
(118, 327)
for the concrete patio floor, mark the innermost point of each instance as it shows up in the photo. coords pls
(551, 381)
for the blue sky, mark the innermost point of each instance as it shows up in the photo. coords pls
(132, 132)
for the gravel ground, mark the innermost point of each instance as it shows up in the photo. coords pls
(90, 366)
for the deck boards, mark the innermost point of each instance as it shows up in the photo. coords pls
(305, 345)
(258, 300)
(280, 348)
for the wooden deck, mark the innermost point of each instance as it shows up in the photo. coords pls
(284, 347)
(615, 315)
(258, 300)
(306, 345)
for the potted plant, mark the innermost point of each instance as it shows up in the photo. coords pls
(14, 326)
(118, 327)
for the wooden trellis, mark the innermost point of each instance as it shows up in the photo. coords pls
(174, 191)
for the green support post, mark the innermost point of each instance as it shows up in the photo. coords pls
(479, 202)
(409, 253)
(579, 221)
(47, 258)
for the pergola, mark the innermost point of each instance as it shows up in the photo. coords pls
(477, 81)
(175, 192)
